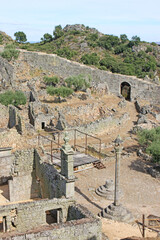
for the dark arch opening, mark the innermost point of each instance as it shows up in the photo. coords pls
(126, 90)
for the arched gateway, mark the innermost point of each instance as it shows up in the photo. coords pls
(126, 90)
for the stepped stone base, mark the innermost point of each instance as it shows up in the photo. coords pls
(107, 190)
(117, 213)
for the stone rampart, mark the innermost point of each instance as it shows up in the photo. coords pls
(65, 68)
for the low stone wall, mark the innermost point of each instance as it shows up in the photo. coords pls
(86, 227)
(29, 215)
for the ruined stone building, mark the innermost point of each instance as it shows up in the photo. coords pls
(37, 201)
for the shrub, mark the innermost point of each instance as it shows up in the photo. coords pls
(14, 98)
(149, 49)
(1, 39)
(120, 49)
(51, 80)
(108, 41)
(59, 92)
(78, 82)
(66, 52)
(10, 52)
(90, 59)
(153, 44)
(150, 140)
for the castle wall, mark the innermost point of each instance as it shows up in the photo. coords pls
(65, 68)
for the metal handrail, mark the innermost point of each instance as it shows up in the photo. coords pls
(75, 139)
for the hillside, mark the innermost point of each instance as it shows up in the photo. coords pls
(106, 52)
(5, 39)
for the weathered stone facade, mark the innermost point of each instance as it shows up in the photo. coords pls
(41, 211)
(38, 118)
(75, 221)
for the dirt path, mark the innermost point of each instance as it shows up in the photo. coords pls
(140, 193)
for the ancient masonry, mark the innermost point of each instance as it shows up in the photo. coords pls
(116, 211)
(40, 203)
(53, 64)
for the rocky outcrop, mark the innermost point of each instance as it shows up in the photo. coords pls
(6, 74)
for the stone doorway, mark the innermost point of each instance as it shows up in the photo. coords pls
(126, 90)
(43, 125)
(53, 216)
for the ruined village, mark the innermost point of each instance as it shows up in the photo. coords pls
(74, 169)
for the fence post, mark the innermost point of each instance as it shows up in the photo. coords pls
(143, 225)
(75, 139)
(100, 150)
(51, 152)
(58, 138)
(38, 139)
(86, 145)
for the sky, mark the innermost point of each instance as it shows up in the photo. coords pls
(37, 17)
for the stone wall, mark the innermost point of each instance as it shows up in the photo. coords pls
(65, 68)
(3, 116)
(15, 119)
(6, 163)
(87, 227)
(23, 185)
(38, 115)
(47, 175)
(28, 215)
(6, 74)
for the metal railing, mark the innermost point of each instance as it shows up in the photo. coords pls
(75, 141)
(144, 225)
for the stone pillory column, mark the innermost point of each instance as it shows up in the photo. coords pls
(118, 149)
(67, 168)
(115, 210)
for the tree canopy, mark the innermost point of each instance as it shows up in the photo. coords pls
(47, 38)
(15, 98)
(58, 32)
(20, 37)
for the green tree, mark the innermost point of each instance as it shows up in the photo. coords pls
(150, 140)
(79, 82)
(123, 38)
(90, 59)
(14, 98)
(59, 92)
(10, 52)
(66, 52)
(136, 40)
(58, 32)
(108, 41)
(20, 37)
(47, 38)
(52, 81)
